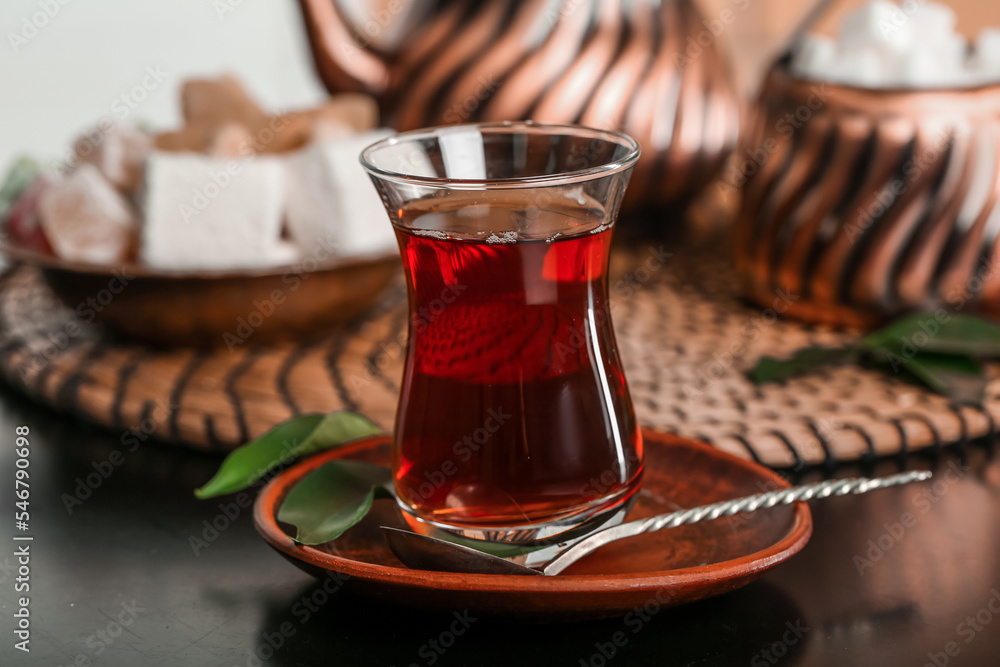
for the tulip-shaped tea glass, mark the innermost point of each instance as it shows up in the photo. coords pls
(514, 421)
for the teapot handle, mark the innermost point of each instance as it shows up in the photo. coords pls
(344, 64)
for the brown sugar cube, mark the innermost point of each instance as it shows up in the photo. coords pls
(119, 151)
(231, 140)
(341, 116)
(191, 138)
(325, 128)
(86, 220)
(296, 130)
(216, 102)
(356, 110)
(288, 132)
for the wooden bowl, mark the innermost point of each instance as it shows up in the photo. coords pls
(214, 309)
(666, 568)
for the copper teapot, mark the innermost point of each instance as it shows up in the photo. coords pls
(650, 68)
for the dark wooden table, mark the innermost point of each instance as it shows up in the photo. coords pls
(131, 576)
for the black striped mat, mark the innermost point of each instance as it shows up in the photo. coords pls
(686, 340)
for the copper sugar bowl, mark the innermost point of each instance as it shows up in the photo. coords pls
(650, 68)
(861, 204)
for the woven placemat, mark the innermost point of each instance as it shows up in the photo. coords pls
(686, 340)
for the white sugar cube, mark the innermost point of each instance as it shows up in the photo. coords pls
(932, 22)
(983, 64)
(211, 213)
(913, 44)
(988, 47)
(86, 220)
(331, 201)
(985, 61)
(861, 67)
(879, 24)
(922, 69)
(954, 51)
(285, 253)
(814, 56)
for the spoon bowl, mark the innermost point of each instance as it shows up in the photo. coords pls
(423, 552)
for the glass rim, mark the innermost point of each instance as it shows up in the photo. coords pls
(506, 127)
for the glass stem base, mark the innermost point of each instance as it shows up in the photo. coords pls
(547, 538)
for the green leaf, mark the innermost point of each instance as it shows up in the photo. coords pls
(944, 355)
(332, 498)
(298, 436)
(771, 369)
(959, 334)
(336, 429)
(960, 378)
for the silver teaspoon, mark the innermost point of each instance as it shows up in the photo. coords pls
(429, 553)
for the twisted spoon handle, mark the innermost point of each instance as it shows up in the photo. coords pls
(833, 487)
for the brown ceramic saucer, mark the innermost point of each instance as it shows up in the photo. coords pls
(666, 568)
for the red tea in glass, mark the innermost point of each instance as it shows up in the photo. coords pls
(514, 420)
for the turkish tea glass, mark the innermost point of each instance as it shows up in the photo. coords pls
(514, 421)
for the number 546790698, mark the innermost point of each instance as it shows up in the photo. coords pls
(21, 488)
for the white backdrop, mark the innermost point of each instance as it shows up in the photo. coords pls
(63, 76)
